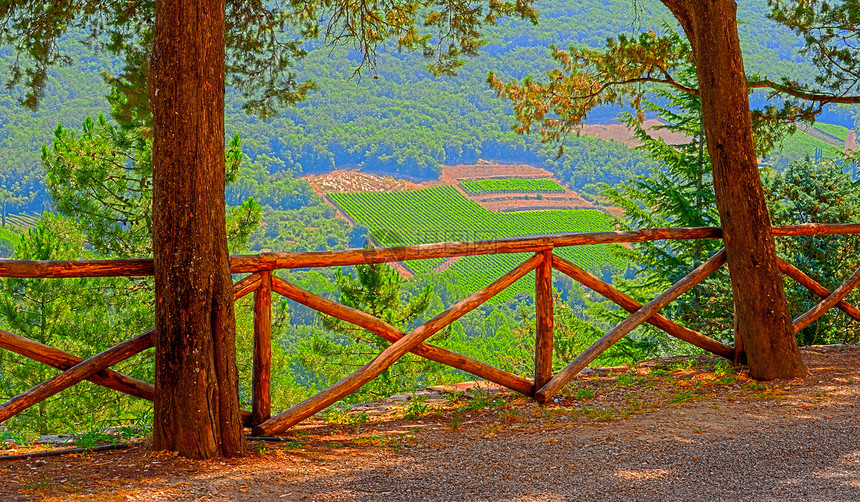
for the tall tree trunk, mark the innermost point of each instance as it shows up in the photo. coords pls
(764, 323)
(196, 381)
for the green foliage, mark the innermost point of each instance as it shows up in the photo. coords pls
(404, 121)
(242, 222)
(510, 185)
(102, 180)
(584, 394)
(376, 289)
(587, 78)
(80, 316)
(831, 34)
(417, 408)
(818, 192)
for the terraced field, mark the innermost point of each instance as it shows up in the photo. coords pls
(800, 144)
(510, 185)
(21, 222)
(837, 131)
(443, 214)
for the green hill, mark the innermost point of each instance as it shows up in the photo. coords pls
(403, 120)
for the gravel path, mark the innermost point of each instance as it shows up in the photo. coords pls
(807, 459)
(797, 440)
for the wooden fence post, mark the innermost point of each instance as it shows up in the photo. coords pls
(261, 406)
(543, 320)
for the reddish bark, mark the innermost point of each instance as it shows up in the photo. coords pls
(196, 380)
(763, 321)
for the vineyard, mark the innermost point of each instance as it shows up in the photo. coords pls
(510, 185)
(21, 222)
(799, 145)
(443, 214)
(837, 131)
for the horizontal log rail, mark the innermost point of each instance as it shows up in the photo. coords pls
(274, 261)
(262, 283)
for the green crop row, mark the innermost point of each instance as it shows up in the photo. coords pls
(800, 144)
(443, 214)
(837, 131)
(510, 185)
(21, 221)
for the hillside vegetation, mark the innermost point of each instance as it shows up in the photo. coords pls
(399, 119)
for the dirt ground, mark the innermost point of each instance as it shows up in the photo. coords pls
(674, 429)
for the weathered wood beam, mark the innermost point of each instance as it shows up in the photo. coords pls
(77, 373)
(392, 334)
(816, 288)
(816, 229)
(630, 305)
(392, 353)
(272, 261)
(60, 360)
(246, 285)
(261, 394)
(76, 268)
(543, 320)
(828, 303)
(626, 326)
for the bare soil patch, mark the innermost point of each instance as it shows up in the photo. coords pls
(851, 141)
(531, 202)
(484, 169)
(356, 181)
(674, 429)
(624, 134)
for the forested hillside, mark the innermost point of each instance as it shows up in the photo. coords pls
(398, 118)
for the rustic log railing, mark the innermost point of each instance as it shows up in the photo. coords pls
(262, 282)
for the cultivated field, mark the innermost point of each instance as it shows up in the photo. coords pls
(443, 214)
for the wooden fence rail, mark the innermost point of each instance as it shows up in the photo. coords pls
(262, 283)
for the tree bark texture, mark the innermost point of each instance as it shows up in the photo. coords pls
(763, 320)
(196, 380)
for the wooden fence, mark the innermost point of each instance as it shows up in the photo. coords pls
(262, 282)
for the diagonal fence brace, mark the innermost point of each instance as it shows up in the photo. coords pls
(629, 324)
(813, 286)
(391, 354)
(392, 334)
(61, 360)
(828, 303)
(626, 302)
(82, 371)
